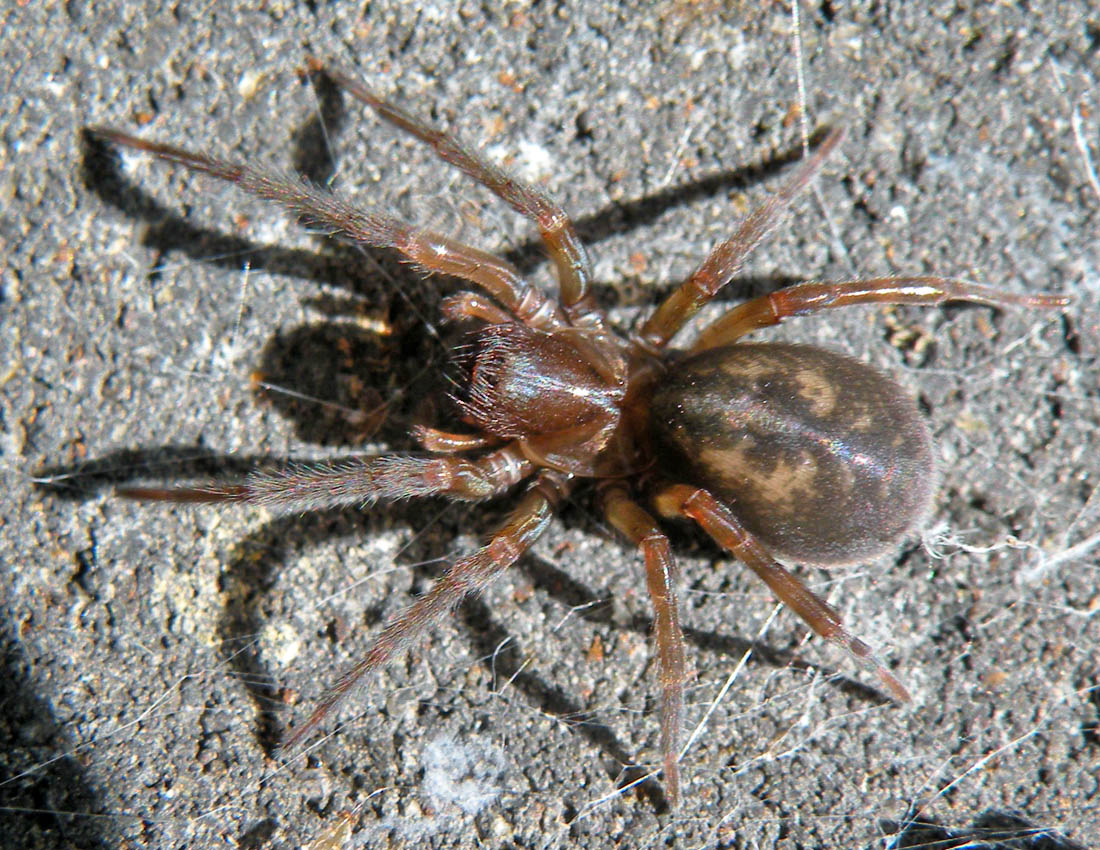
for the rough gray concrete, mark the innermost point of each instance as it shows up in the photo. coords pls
(153, 654)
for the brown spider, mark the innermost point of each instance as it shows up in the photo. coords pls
(777, 451)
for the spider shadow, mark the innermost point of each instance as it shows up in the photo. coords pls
(338, 264)
(249, 584)
(45, 779)
(250, 577)
(315, 359)
(249, 580)
(992, 829)
(361, 376)
(579, 599)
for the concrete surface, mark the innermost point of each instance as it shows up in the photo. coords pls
(155, 654)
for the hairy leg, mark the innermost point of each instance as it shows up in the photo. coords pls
(359, 481)
(325, 211)
(467, 575)
(723, 527)
(802, 299)
(726, 260)
(661, 574)
(557, 231)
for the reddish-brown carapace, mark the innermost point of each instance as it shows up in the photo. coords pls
(778, 452)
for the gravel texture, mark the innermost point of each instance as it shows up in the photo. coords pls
(155, 326)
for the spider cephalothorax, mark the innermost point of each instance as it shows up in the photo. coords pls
(774, 450)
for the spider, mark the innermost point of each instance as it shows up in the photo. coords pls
(781, 453)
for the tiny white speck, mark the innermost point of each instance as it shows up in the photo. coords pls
(462, 774)
(533, 162)
(249, 84)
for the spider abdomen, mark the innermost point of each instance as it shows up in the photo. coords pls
(823, 458)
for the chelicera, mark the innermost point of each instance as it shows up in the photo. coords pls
(779, 452)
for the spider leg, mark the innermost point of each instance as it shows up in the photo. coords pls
(470, 305)
(726, 260)
(555, 227)
(451, 442)
(723, 527)
(661, 574)
(360, 481)
(319, 208)
(805, 298)
(467, 575)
